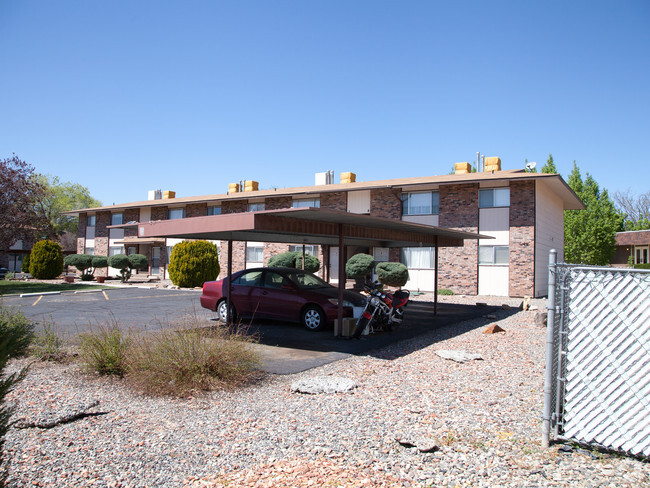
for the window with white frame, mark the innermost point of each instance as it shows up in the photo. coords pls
(254, 254)
(313, 250)
(90, 251)
(176, 213)
(494, 255)
(214, 210)
(421, 203)
(90, 220)
(256, 207)
(117, 218)
(493, 197)
(306, 202)
(419, 257)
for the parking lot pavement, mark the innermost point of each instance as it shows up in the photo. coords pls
(139, 308)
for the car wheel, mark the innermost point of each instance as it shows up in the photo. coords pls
(313, 318)
(222, 307)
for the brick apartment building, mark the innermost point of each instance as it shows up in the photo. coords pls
(523, 212)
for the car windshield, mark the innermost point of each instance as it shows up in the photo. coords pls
(307, 280)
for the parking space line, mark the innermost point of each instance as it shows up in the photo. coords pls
(37, 300)
(105, 295)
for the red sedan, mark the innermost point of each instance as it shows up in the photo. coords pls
(280, 293)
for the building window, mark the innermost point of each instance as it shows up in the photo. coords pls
(493, 255)
(254, 254)
(117, 218)
(421, 203)
(176, 213)
(494, 197)
(256, 207)
(313, 250)
(306, 202)
(114, 250)
(214, 210)
(90, 251)
(419, 257)
(131, 250)
(90, 221)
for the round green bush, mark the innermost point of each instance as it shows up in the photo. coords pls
(284, 260)
(121, 262)
(100, 261)
(359, 266)
(138, 261)
(312, 264)
(193, 263)
(80, 261)
(392, 274)
(46, 262)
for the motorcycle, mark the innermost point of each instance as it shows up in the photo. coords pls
(382, 310)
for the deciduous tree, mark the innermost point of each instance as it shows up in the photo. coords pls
(636, 209)
(20, 192)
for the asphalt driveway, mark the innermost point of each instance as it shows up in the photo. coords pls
(284, 347)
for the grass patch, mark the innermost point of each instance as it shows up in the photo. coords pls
(190, 359)
(104, 349)
(48, 344)
(445, 291)
(8, 287)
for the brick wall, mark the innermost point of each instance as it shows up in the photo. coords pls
(386, 203)
(277, 203)
(522, 238)
(334, 201)
(233, 206)
(196, 210)
(158, 213)
(131, 215)
(458, 266)
(81, 233)
(102, 220)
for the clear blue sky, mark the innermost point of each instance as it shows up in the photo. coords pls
(125, 97)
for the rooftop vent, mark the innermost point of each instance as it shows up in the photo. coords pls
(155, 195)
(325, 178)
(250, 185)
(233, 188)
(168, 194)
(492, 164)
(462, 168)
(348, 177)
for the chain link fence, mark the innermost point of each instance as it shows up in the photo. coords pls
(597, 388)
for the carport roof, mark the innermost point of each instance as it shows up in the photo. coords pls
(307, 226)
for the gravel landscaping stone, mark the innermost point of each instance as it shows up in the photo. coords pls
(415, 420)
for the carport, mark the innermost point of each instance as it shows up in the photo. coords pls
(310, 226)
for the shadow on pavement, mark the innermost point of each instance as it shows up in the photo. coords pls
(418, 320)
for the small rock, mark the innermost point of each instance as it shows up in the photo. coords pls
(491, 316)
(541, 319)
(458, 356)
(525, 305)
(493, 329)
(481, 304)
(323, 384)
(505, 306)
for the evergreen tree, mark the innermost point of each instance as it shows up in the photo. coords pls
(549, 167)
(590, 235)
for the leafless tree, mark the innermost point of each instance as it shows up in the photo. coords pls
(636, 208)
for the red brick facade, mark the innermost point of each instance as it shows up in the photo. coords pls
(458, 266)
(386, 202)
(522, 238)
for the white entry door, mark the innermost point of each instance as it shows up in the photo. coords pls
(334, 264)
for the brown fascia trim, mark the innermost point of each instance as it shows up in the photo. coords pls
(401, 183)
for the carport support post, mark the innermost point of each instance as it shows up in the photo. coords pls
(341, 278)
(229, 282)
(435, 279)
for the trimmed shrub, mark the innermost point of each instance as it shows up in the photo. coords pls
(46, 261)
(100, 262)
(392, 274)
(121, 262)
(359, 266)
(445, 291)
(284, 260)
(24, 267)
(192, 263)
(83, 262)
(293, 259)
(17, 329)
(642, 266)
(138, 261)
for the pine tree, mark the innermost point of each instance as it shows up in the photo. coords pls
(549, 167)
(590, 235)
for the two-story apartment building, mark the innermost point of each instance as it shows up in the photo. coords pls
(523, 212)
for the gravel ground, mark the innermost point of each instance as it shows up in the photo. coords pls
(480, 419)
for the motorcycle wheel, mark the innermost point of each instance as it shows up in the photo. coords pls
(361, 325)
